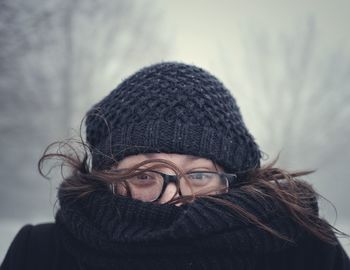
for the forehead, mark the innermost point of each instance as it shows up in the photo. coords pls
(178, 159)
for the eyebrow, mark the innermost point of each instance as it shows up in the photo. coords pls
(193, 157)
(153, 155)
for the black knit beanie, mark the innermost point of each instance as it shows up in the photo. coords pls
(171, 107)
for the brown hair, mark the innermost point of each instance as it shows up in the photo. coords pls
(295, 195)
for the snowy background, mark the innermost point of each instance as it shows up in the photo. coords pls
(286, 62)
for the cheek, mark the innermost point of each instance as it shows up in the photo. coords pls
(120, 189)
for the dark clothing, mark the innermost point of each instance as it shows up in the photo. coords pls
(310, 254)
(171, 107)
(102, 231)
(38, 247)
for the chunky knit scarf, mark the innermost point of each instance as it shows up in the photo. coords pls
(104, 231)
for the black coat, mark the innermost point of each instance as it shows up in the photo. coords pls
(49, 254)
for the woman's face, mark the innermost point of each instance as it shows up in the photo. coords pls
(186, 163)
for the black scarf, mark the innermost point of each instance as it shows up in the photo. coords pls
(104, 231)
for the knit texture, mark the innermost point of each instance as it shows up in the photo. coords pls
(171, 108)
(103, 231)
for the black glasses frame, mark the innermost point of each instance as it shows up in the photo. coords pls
(170, 178)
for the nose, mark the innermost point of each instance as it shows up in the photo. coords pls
(169, 192)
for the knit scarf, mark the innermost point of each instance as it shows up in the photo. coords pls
(104, 231)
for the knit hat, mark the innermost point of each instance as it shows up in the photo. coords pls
(171, 107)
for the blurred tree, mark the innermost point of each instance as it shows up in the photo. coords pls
(297, 96)
(56, 59)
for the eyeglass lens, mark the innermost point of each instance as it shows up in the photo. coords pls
(148, 185)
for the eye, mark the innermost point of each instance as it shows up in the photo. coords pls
(143, 177)
(146, 178)
(200, 178)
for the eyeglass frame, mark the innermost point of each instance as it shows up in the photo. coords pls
(173, 178)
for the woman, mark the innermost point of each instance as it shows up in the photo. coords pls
(171, 179)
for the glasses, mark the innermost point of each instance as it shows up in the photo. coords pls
(150, 185)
